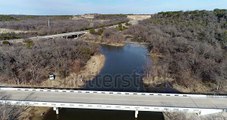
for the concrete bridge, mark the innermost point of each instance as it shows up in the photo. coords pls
(70, 35)
(130, 101)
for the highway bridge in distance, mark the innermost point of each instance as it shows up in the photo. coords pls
(69, 35)
(106, 100)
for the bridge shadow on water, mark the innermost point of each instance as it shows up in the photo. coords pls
(78, 114)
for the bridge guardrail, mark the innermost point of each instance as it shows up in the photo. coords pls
(112, 92)
(201, 111)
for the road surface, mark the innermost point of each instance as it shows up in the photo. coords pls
(116, 99)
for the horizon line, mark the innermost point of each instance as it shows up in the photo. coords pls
(111, 13)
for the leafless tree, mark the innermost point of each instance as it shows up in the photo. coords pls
(190, 45)
(32, 64)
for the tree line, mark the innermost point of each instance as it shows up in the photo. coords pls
(44, 25)
(31, 62)
(189, 46)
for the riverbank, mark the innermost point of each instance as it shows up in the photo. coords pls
(169, 84)
(78, 80)
(190, 116)
(106, 43)
(34, 113)
(75, 80)
(115, 44)
(159, 78)
(89, 38)
(159, 81)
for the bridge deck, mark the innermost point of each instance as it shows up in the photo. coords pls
(115, 99)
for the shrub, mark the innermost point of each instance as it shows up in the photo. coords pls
(28, 43)
(128, 24)
(100, 31)
(6, 18)
(5, 42)
(112, 36)
(8, 36)
(92, 31)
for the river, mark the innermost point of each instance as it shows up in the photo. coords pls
(123, 71)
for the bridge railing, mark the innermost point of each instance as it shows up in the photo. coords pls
(199, 111)
(112, 92)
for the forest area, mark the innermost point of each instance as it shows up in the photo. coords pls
(47, 25)
(188, 49)
(32, 62)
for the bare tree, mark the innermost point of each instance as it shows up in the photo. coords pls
(189, 45)
(32, 64)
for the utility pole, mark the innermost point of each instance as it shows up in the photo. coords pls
(48, 23)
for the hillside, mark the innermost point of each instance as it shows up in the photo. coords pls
(188, 50)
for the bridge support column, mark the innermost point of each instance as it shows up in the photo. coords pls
(136, 114)
(56, 110)
(210, 111)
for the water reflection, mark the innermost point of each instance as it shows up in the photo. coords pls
(123, 69)
(120, 62)
(81, 114)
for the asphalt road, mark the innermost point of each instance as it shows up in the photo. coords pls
(116, 99)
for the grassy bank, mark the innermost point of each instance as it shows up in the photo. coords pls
(78, 79)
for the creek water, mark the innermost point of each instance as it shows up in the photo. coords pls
(122, 71)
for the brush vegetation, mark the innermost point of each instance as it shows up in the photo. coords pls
(188, 48)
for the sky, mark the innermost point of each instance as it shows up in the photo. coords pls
(74, 7)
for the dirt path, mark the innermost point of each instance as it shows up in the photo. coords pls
(5, 30)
